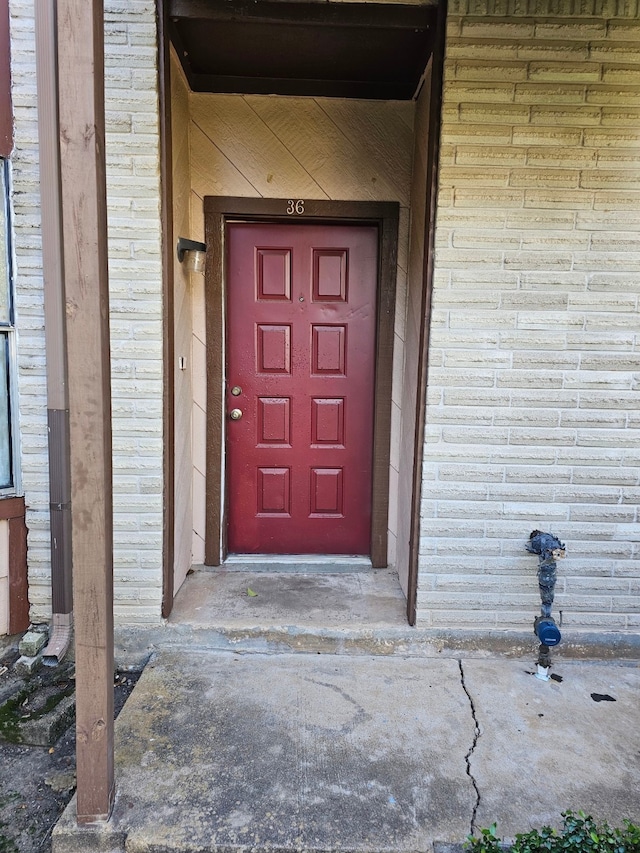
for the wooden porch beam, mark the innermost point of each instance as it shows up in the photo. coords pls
(6, 110)
(308, 12)
(362, 89)
(80, 29)
(168, 337)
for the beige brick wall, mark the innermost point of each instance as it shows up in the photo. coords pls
(136, 305)
(535, 363)
(135, 283)
(25, 200)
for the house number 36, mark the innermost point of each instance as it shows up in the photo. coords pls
(295, 208)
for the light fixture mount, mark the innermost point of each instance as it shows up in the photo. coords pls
(192, 253)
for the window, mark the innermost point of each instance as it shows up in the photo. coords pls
(7, 342)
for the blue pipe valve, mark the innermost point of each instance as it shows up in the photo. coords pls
(547, 630)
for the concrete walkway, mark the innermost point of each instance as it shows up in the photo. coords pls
(290, 752)
(313, 752)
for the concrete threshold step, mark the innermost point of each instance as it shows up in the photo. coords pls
(267, 612)
(342, 613)
(137, 643)
(274, 611)
(296, 563)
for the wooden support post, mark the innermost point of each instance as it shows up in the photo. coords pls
(6, 110)
(84, 221)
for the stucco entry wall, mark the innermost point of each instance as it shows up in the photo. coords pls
(183, 287)
(533, 382)
(301, 148)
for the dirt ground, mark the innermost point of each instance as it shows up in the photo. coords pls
(37, 782)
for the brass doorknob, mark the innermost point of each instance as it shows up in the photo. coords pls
(235, 414)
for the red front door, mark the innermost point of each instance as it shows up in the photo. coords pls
(300, 371)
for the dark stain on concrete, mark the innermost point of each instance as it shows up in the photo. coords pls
(602, 697)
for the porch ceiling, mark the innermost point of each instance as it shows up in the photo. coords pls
(312, 48)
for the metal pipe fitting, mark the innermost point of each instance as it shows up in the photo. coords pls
(548, 548)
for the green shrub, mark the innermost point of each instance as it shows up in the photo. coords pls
(579, 834)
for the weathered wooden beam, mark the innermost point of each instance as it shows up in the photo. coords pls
(168, 337)
(80, 30)
(311, 12)
(6, 110)
(361, 89)
(12, 510)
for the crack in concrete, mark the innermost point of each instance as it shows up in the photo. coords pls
(467, 758)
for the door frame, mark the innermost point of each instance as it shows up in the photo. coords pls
(219, 210)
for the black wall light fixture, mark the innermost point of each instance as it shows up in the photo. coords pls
(192, 254)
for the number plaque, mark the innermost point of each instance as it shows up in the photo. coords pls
(295, 207)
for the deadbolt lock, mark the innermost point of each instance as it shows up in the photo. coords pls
(235, 414)
(236, 390)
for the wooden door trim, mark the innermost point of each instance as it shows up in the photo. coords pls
(6, 107)
(217, 211)
(433, 160)
(12, 510)
(168, 339)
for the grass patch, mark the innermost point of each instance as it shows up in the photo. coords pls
(22, 708)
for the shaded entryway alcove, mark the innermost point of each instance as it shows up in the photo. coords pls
(306, 134)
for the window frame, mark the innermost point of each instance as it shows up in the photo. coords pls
(8, 329)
